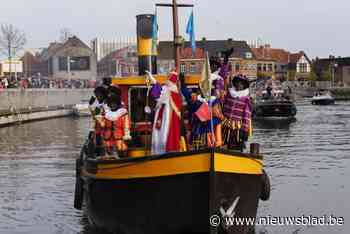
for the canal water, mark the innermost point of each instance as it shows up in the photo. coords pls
(308, 161)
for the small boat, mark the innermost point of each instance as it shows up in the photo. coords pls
(81, 109)
(276, 106)
(322, 98)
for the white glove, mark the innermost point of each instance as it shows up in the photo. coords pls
(127, 135)
(150, 76)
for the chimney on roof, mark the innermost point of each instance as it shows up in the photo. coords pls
(267, 46)
(230, 39)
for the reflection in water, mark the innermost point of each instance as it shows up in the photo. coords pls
(307, 160)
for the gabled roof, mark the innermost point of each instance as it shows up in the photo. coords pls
(73, 42)
(294, 58)
(166, 48)
(267, 53)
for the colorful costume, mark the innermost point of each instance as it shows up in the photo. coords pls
(237, 127)
(200, 121)
(116, 130)
(166, 133)
(97, 110)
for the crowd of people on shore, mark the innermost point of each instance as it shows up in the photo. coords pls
(44, 83)
(219, 116)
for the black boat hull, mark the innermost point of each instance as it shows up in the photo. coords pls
(323, 102)
(178, 203)
(275, 109)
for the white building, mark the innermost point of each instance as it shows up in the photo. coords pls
(15, 65)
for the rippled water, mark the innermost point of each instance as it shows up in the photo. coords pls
(308, 162)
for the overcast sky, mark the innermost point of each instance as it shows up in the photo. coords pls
(319, 27)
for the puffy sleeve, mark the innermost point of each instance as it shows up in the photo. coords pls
(247, 117)
(156, 90)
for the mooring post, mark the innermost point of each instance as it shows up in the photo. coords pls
(255, 148)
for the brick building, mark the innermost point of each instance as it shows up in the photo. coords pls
(337, 70)
(70, 60)
(121, 62)
(281, 64)
(241, 61)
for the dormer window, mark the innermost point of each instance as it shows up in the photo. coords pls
(248, 55)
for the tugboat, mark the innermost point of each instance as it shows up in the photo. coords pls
(273, 104)
(323, 97)
(172, 193)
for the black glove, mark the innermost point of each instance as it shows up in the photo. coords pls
(182, 78)
(243, 135)
(227, 54)
(92, 100)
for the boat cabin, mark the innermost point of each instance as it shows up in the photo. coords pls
(134, 92)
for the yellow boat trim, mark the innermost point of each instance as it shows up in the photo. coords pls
(141, 80)
(197, 163)
(136, 153)
(155, 168)
(236, 164)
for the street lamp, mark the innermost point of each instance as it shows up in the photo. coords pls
(335, 65)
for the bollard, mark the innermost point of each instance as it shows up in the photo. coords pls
(255, 148)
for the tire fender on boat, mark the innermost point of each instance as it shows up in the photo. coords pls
(265, 187)
(79, 190)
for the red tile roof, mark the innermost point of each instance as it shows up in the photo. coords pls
(186, 53)
(267, 53)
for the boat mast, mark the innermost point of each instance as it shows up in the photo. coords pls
(177, 37)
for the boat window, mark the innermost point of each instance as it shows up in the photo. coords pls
(193, 68)
(138, 101)
(183, 68)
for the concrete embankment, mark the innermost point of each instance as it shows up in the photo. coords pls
(36, 104)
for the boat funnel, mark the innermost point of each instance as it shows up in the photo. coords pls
(146, 44)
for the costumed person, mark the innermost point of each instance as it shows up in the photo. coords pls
(116, 126)
(201, 120)
(166, 131)
(96, 107)
(220, 73)
(237, 110)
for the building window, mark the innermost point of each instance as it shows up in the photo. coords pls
(193, 68)
(75, 63)
(237, 67)
(269, 67)
(302, 67)
(183, 68)
(80, 63)
(259, 67)
(264, 68)
(62, 64)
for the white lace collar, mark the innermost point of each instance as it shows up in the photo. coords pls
(235, 94)
(114, 115)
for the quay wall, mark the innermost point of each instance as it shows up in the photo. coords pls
(19, 106)
(31, 99)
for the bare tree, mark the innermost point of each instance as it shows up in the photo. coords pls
(12, 40)
(65, 34)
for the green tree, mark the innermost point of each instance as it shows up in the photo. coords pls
(326, 75)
